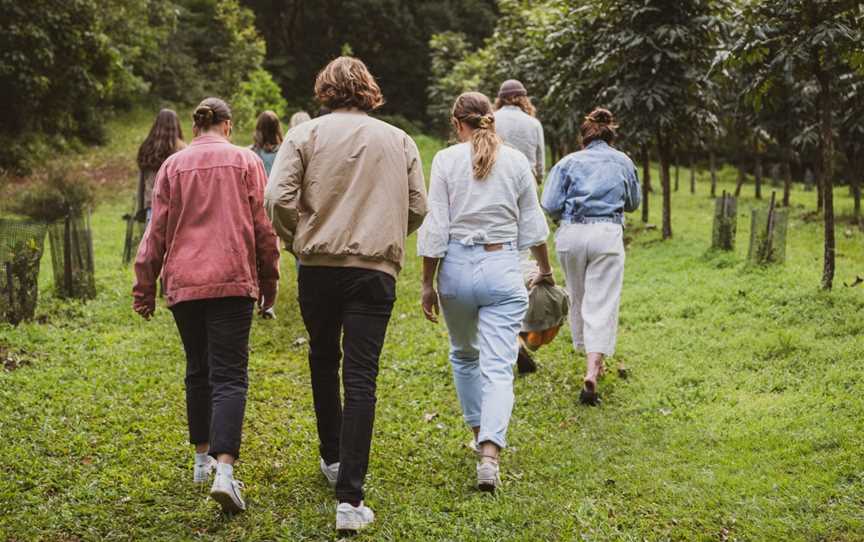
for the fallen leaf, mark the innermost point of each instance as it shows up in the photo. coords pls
(429, 416)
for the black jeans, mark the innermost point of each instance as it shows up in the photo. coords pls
(351, 306)
(215, 334)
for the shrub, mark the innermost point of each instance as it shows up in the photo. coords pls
(54, 198)
(257, 94)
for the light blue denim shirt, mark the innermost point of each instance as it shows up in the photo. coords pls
(597, 182)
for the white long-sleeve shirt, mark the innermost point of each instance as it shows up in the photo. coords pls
(501, 208)
(525, 133)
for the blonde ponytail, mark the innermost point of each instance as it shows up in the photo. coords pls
(475, 110)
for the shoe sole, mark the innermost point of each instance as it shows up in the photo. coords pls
(351, 526)
(226, 502)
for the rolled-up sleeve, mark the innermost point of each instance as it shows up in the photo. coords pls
(434, 234)
(555, 192)
(533, 229)
(632, 191)
(283, 190)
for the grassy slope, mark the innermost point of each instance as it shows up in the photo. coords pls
(742, 418)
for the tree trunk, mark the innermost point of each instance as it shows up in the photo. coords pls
(665, 182)
(787, 180)
(855, 166)
(826, 184)
(757, 174)
(677, 171)
(692, 175)
(712, 163)
(855, 180)
(742, 176)
(820, 195)
(646, 182)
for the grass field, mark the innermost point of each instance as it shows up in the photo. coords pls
(743, 417)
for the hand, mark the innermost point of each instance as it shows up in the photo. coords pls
(542, 278)
(429, 302)
(267, 299)
(145, 309)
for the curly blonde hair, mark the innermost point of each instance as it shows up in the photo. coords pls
(346, 82)
(522, 102)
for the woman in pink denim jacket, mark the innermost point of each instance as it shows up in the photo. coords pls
(212, 243)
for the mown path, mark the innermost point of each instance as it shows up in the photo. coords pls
(741, 420)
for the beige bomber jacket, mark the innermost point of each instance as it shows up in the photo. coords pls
(345, 191)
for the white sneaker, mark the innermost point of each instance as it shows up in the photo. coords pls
(349, 518)
(203, 469)
(226, 491)
(473, 446)
(488, 478)
(331, 472)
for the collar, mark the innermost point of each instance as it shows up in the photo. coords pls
(208, 138)
(597, 143)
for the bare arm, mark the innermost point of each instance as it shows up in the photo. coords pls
(429, 300)
(545, 275)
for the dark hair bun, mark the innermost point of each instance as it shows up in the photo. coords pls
(601, 116)
(210, 112)
(203, 116)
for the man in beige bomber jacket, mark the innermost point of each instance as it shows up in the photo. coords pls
(344, 193)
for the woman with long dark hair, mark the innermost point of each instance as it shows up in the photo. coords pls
(267, 138)
(165, 138)
(483, 210)
(588, 192)
(214, 247)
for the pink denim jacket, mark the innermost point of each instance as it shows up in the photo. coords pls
(209, 235)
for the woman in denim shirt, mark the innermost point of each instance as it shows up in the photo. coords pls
(588, 192)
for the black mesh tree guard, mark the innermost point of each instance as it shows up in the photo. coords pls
(21, 246)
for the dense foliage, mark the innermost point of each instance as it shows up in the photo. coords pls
(392, 36)
(65, 65)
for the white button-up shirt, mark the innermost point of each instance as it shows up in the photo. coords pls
(525, 133)
(501, 208)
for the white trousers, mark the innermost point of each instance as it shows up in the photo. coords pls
(592, 256)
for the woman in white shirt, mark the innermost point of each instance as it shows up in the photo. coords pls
(483, 209)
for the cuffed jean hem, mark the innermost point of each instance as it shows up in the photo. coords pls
(216, 453)
(472, 421)
(494, 438)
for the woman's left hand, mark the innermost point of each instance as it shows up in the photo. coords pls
(429, 302)
(543, 278)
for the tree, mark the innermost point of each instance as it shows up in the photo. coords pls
(653, 63)
(391, 36)
(851, 132)
(815, 40)
(454, 69)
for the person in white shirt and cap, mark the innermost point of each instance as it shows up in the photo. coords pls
(517, 125)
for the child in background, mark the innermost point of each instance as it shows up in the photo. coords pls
(267, 138)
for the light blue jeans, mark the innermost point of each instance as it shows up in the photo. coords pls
(483, 300)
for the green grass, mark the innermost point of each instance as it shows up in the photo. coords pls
(741, 420)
